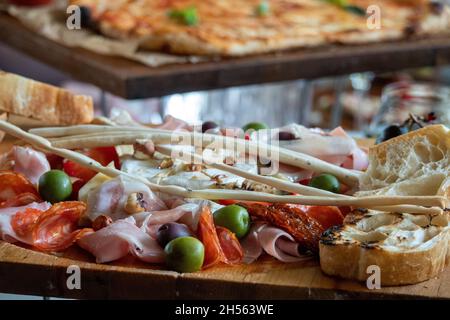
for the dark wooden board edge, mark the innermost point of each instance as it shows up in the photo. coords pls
(132, 80)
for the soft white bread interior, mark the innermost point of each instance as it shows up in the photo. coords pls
(416, 163)
(407, 248)
(40, 101)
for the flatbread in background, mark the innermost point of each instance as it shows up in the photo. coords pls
(245, 27)
(49, 21)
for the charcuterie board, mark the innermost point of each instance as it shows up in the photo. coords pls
(24, 271)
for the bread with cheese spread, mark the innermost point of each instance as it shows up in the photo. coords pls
(407, 248)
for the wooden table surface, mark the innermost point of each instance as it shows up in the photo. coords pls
(23, 271)
(133, 80)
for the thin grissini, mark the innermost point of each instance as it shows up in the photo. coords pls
(376, 202)
(393, 201)
(45, 145)
(88, 135)
(270, 181)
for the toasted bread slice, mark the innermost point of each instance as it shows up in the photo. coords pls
(416, 163)
(40, 101)
(407, 248)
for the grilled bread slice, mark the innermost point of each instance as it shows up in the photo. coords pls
(416, 163)
(39, 101)
(407, 248)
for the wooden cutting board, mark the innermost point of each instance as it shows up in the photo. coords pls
(24, 271)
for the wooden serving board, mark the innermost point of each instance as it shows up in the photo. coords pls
(24, 271)
(132, 80)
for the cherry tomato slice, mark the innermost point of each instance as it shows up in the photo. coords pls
(227, 202)
(104, 155)
(56, 162)
(76, 186)
(326, 216)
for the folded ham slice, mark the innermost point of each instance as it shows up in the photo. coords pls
(118, 240)
(7, 232)
(29, 162)
(187, 213)
(274, 241)
(111, 197)
(336, 147)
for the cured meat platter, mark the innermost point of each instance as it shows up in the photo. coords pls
(23, 271)
(95, 207)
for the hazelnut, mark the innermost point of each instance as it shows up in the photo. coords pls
(166, 163)
(101, 222)
(194, 167)
(135, 203)
(146, 147)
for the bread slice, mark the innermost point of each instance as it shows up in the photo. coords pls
(3, 116)
(416, 163)
(40, 101)
(407, 248)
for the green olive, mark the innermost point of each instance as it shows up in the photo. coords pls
(185, 254)
(255, 126)
(55, 186)
(326, 182)
(235, 218)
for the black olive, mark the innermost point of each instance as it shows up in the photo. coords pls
(355, 10)
(86, 17)
(284, 136)
(169, 231)
(437, 7)
(209, 125)
(390, 132)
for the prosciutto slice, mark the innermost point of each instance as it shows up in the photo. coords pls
(118, 240)
(110, 198)
(335, 147)
(29, 162)
(274, 241)
(7, 232)
(187, 213)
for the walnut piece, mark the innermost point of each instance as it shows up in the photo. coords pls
(135, 203)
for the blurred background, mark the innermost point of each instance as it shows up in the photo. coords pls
(362, 103)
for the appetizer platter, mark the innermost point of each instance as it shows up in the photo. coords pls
(412, 34)
(208, 207)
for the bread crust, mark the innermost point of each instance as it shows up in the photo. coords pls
(40, 101)
(437, 133)
(350, 258)
(3, 116)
